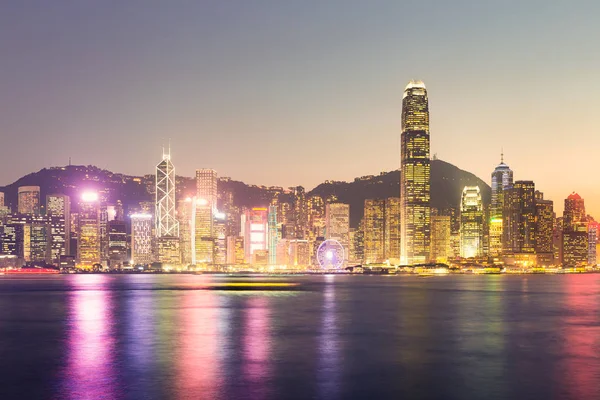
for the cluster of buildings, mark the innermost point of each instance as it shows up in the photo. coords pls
(208, 229)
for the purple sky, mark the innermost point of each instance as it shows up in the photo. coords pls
(296, 92)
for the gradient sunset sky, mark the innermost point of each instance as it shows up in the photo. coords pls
(297, 92)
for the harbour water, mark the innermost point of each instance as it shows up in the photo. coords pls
(329, 337)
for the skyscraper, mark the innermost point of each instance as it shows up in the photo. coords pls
(206, 186)
(58, 212)
(204, 209)
(544, 229)
(374, 225)
(117, 243)
(29, 200)
(166, 223)
(392, 229)
(255, 230)
(575, 236)
(471, 222)
(184, 215)
(415, 175)
(519, 218)
(273, 235)
(502, 180)
(88, 251)
(440, 238)
(141, 239)
(337, 225)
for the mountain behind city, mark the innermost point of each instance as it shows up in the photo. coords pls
(447, 182)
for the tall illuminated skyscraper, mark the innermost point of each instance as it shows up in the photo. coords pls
(392, 229)
(166, 223)
(471, 222)
(273, 235)
(519, 218)
(337, 225)
(440, 238)
(117, 243)
(204, 208)
(544, 229)
(206, 185)
(184, 215)
(374, 225)
(502, 180)
(141, 239)
(575, 238)
(29, 200)
(255, 231)
(88, 251)
(415, 173)
(202, 228)
(58, 212)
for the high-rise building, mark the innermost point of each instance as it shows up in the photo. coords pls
(203, 235)
(4, 210)
(13, 240)
(574, 218)
(166, 223)
(168, 251)
(205, 207)
(206, 186)
(184, 216)
(117, 243)
(357, 244)
(374, 226)
(141, 239)
(88, 251)
(337, 225)
(392, 229)
(502, 180)
(29, 200)
(415, 175)
(220, 239)
(255, 230)
(299, 253)
(471, 222)
(575, 243)
(58, 212)
(440, 238)
(593, 242)
(235, 250)
(519, 218)
(273, 235)
(544, 229)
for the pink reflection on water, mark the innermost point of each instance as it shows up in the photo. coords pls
(198, 363)
(329, 347)
(90, 371)
(256, 347)
(580, 372)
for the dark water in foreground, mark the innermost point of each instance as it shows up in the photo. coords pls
(346, 337)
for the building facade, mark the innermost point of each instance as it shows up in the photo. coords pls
(166, 223)
(471, 223)
(415, 174)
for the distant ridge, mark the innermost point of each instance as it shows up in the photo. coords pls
(447, 182)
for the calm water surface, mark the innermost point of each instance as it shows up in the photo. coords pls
(342, 337)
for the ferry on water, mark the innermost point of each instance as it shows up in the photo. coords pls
(30, 271)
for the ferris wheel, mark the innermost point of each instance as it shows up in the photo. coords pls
(330, 254)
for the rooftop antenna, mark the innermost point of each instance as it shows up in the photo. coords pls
(69, 161)
(501, 155)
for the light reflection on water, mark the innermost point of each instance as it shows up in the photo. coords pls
(91, 371)
(155, 337)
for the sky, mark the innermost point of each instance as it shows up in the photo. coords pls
(297, 92)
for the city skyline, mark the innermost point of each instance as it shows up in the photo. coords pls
(63, 90)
